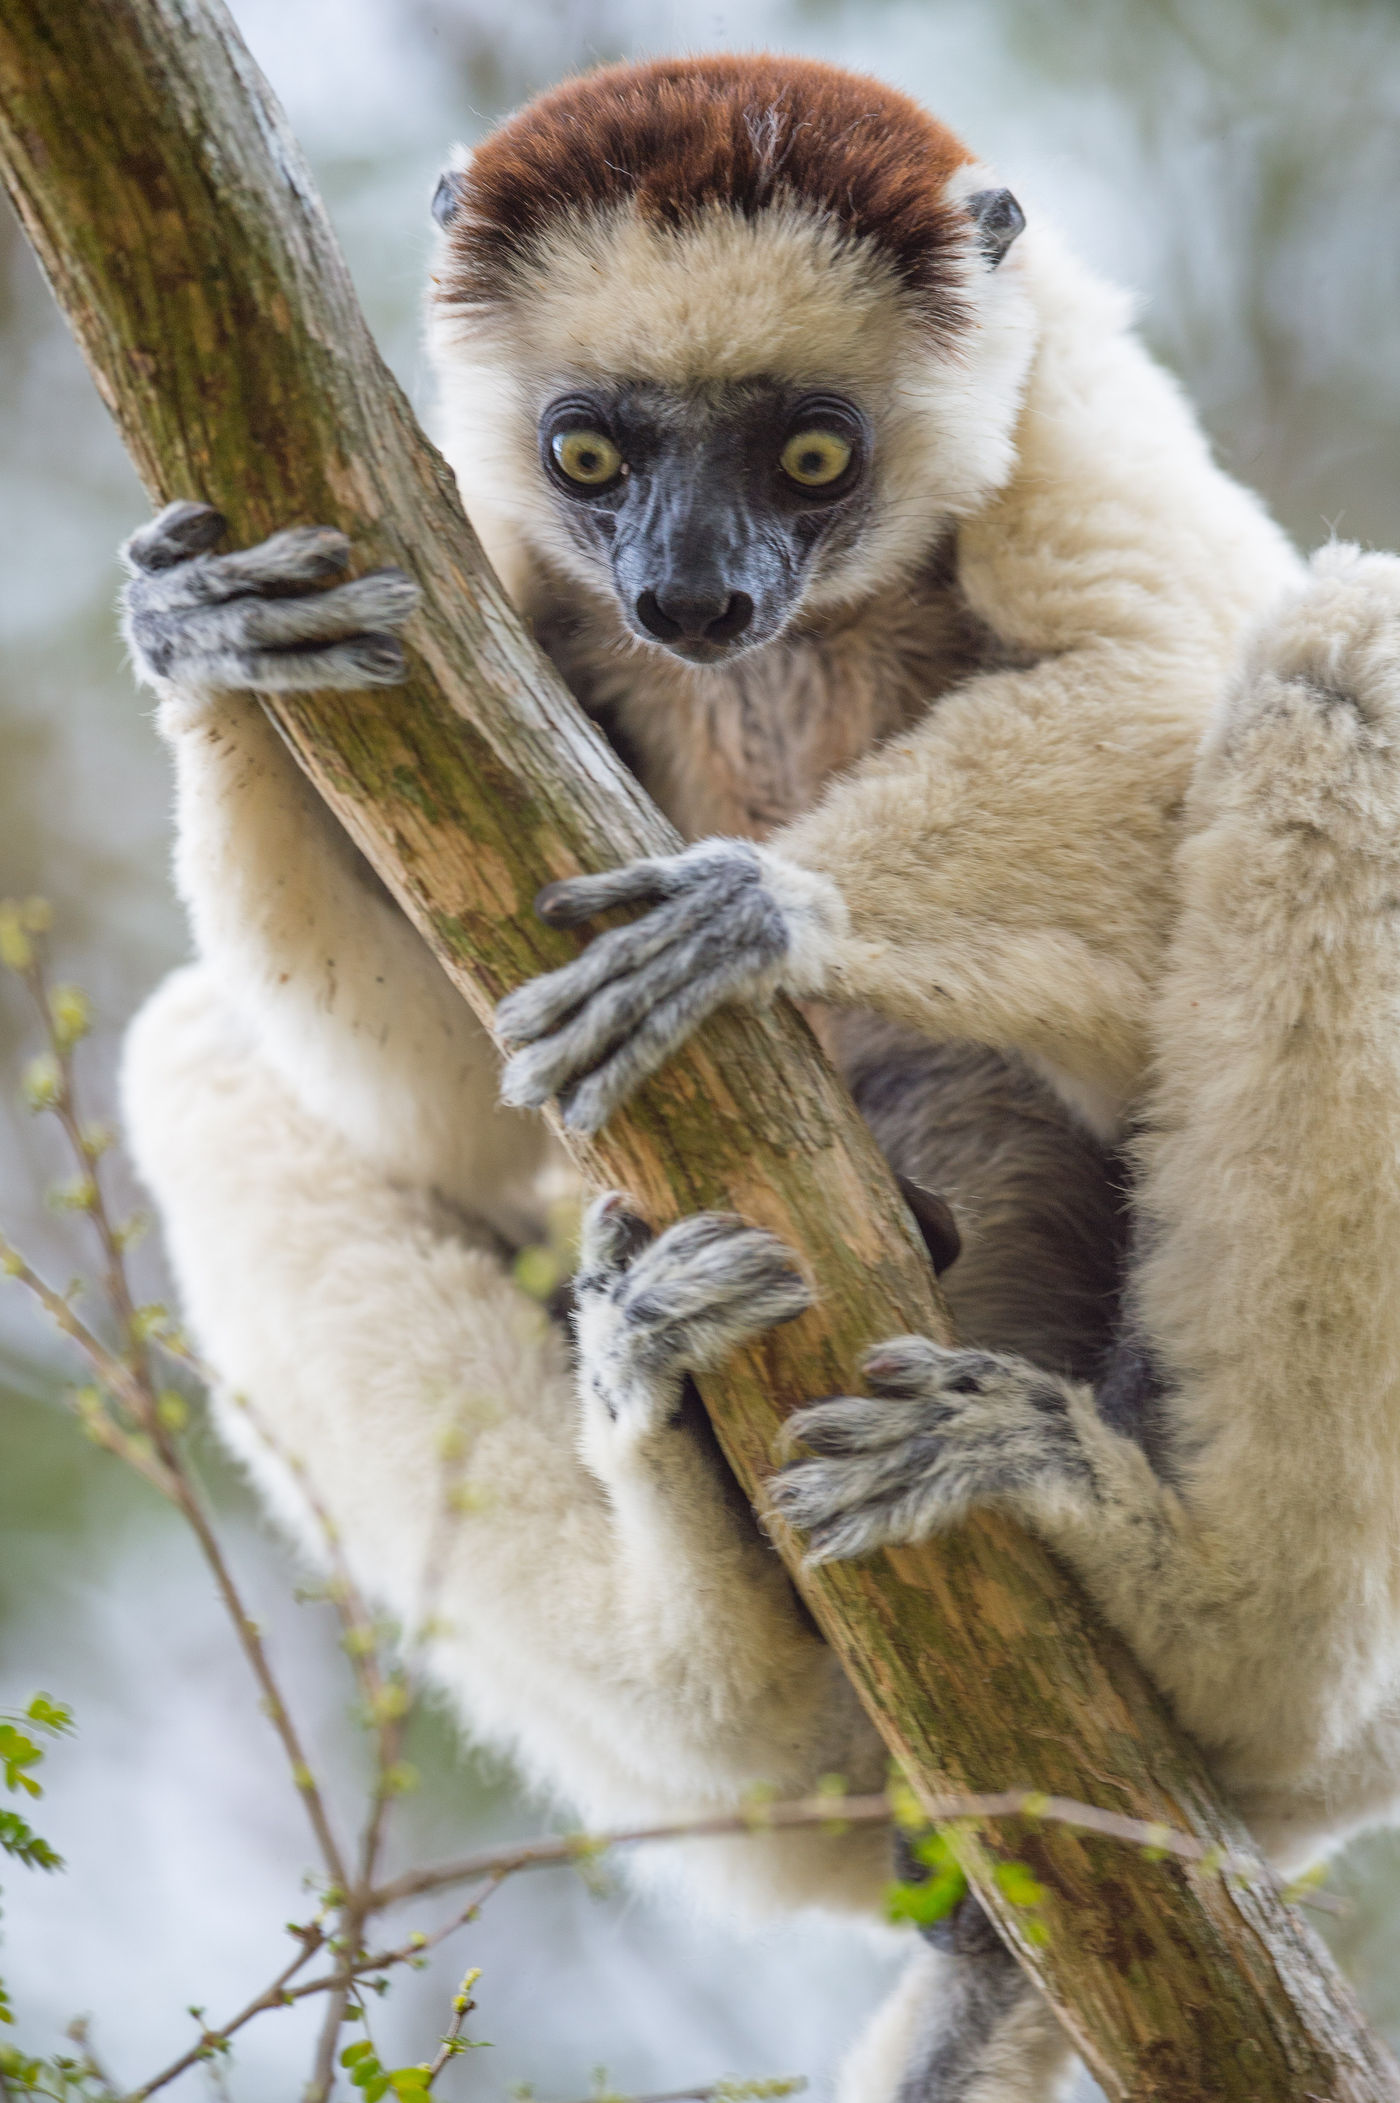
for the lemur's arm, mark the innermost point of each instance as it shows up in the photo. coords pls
(999, 874)
(332, 983)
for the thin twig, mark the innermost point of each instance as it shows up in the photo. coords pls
(281, 1994)
(388, 1700)
(129, 1379)
(839, 1811)
(106, 1366)
(274, 1996)
(462, 2006)
(323, 2071)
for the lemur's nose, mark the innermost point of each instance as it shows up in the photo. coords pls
(674, 614)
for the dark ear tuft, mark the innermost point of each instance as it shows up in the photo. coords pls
(446, 197)
(998, 220)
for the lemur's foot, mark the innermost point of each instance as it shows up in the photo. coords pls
(258, 618)
(731, 921)
(940, 1433)
(651, 1311)
(1316, 714)
(1341, 636)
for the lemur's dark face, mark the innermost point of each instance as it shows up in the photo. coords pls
(709, 505)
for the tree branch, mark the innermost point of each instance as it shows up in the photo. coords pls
(184, 239)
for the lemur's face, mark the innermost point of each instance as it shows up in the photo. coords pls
(708, 504)
(728, 343)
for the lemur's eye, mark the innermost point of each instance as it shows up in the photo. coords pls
(587, 457)
(814, 458)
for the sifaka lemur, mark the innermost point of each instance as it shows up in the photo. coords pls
(851, 509)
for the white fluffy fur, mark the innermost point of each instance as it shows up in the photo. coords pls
(301, 1101)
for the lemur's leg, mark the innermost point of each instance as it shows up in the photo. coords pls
(396, 1358)
(964, 2025)
(332, 981)
(1255, 1576)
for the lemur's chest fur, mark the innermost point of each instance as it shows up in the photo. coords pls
(746, 747)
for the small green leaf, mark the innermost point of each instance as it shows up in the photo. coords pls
(42, 1082)
(19, 1840)
(49, 1715)
(537, 1271)
(925, 1903)
(172, 1409)
(1017, 1885)
(70, 1012)
(16, 950)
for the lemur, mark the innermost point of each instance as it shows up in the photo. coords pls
(852, 510)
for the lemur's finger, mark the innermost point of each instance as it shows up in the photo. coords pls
(853, 1507)
(712, 1270)
(364, 660)
(728, 869)
(587, 1106)
(770, 1293)
(297, 556)
(296, 560)
(547, 1068)
(913, 1366)
(850, 1536)
(175, 534)
(619, 1012)
(575, 899)
(381, 601)
(613, 1236)
(848, 1424)
(611, 959)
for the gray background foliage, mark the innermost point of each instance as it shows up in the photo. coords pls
(1236, 166)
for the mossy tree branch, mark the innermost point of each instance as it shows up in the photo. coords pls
(185, 242)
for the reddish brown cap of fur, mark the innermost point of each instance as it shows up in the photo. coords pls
(677, 135)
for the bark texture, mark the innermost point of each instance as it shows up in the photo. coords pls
(183, 237)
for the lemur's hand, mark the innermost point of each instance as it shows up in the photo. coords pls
(649, 1311)
(731, 922)
(940, 1433)
(216, 623)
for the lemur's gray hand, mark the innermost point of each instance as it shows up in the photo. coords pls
(649, 1311)
(731, 921)
(940, 1433)
(215, 623)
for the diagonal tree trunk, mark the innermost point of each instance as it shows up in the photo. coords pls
(184, 239)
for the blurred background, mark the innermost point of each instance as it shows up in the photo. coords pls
(1235, 164)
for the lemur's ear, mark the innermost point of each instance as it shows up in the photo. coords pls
(447, 196)
(998, 220)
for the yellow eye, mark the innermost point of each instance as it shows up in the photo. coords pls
(815, 458)
(587, 457)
